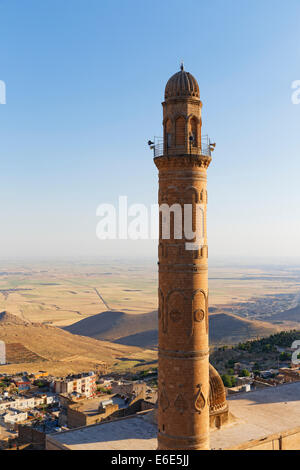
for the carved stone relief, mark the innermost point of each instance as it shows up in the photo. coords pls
(200, 400)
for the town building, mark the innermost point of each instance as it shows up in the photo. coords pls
(289, 375)
(23, 402)
(128, 388)
(264, 419)
(13, 417)
(109, 407)
(40, 374)
(23, 383)
(82, 384)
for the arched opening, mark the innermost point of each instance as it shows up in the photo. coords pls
(168, 134)
(194, 132)
(180, 131)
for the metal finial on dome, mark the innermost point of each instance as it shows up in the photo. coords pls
(182, 66)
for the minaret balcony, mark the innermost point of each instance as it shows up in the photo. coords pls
(159, 148)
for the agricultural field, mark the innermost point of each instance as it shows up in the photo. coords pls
(115, 301)
(63, 294)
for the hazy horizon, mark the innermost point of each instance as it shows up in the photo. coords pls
(150, 259)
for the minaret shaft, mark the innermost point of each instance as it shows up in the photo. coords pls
(183, 408)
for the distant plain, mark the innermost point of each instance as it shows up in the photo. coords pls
(82, 296)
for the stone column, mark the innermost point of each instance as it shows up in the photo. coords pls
(183, 408)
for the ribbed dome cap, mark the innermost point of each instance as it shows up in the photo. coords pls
(182, 84)
(217, 392)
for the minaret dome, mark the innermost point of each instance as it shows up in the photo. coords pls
(182, 84)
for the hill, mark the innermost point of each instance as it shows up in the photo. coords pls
(115, 326)
(290, 315)
(54, 349)
(262, 353)
(147, 339)
(17, 353)
(226, 328)
(141, 329)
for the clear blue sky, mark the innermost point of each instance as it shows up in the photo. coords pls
(85, 81)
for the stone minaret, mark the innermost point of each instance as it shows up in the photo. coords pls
(182, 161)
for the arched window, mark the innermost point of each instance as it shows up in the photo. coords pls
(194, 132)
(180, 131)
(168, 133)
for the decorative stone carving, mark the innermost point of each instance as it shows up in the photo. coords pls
(173, 250)
(199, 315)
(190, 355)
(206, 315)
(180, 404)
(161, 307)
(163, 398)
(162, 250)
(202, 312)
(179, 268)
(176, 316)
(165, 194)
(200, 400)
(178, 251)
(176, 301)
(194, 191)
(182, 161)
(197, 254)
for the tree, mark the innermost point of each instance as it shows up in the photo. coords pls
(245, 373)
(230, 363)
(284, 356)
(228, 380)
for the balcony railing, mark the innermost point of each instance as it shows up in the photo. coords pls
(158, 147)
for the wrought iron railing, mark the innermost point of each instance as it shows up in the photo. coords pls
(157, 145)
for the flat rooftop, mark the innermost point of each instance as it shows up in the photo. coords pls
(257, 414)
(134, 432)
(91, 406)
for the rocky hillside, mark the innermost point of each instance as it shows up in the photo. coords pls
(54, 349)
(141, 329)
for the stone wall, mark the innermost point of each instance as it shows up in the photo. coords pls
(288, 440)
(28, 435)
(77, 418)
(129, 388)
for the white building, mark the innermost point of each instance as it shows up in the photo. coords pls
(2, 353)
(4, 405)
(19, 403)
(24, 403)
(13, 417)
(50, 399)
